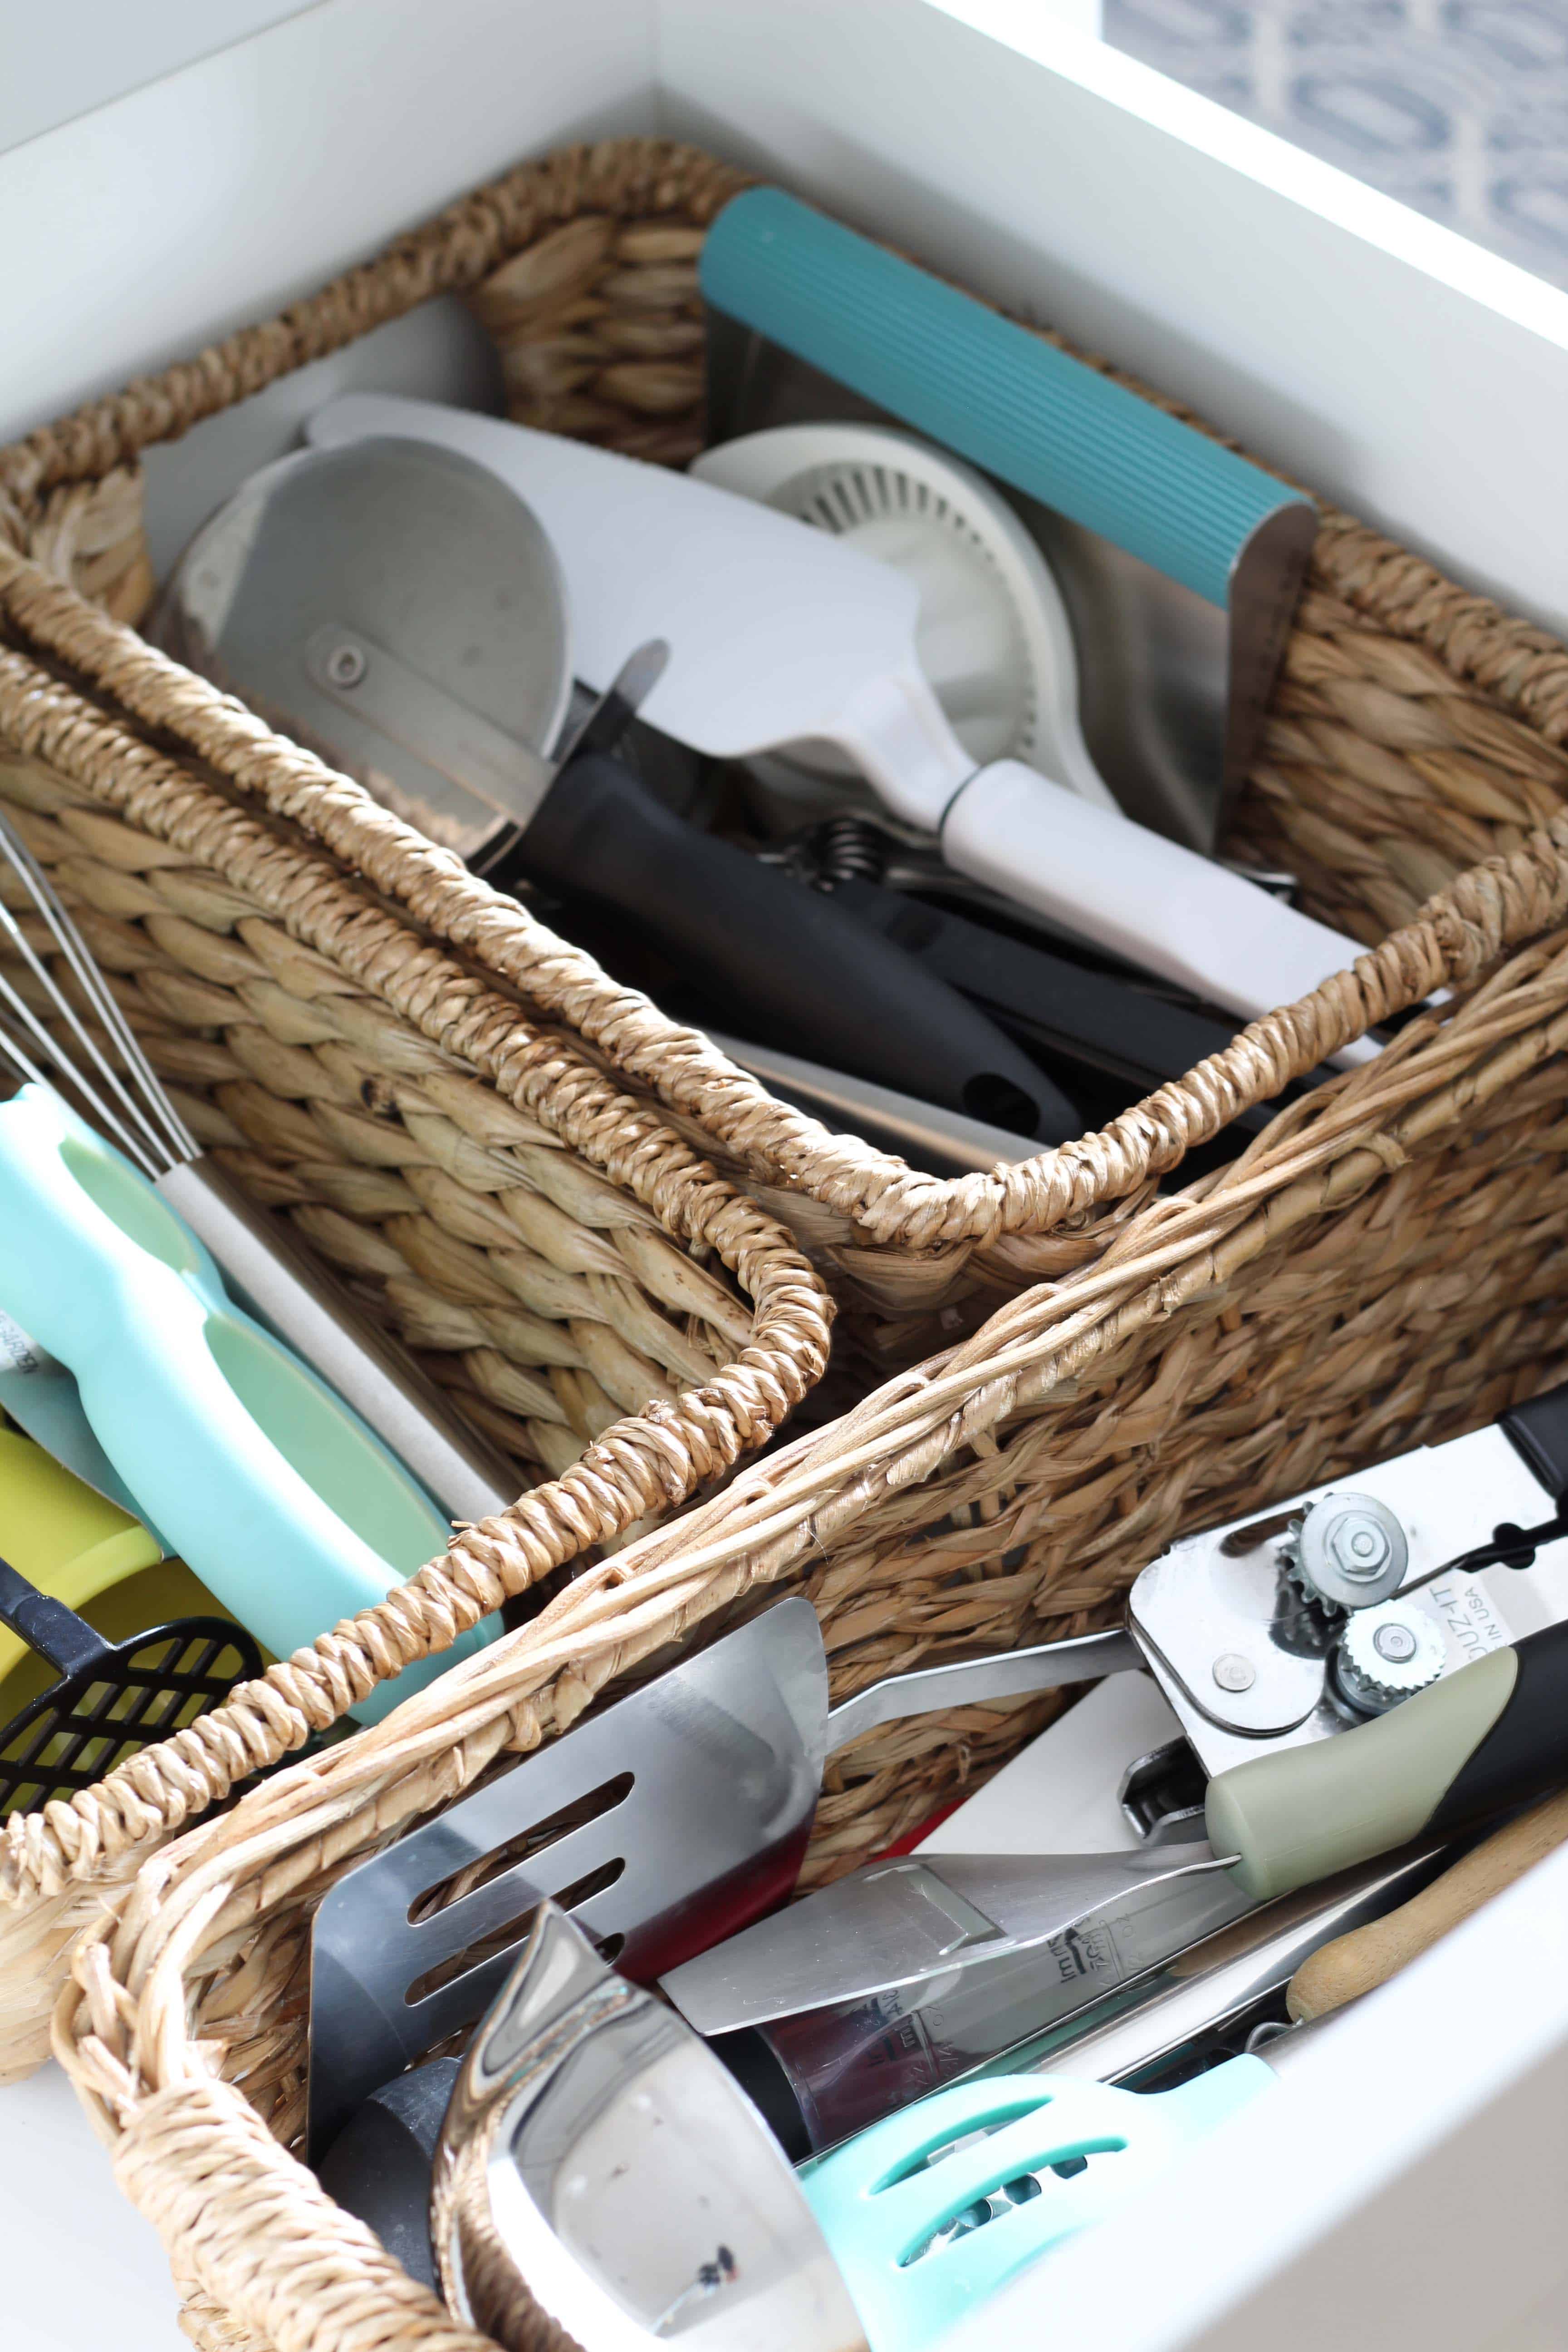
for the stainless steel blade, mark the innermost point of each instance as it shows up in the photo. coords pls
(599, 2169)
(967, 1682)
(379, 691)
(901, 1923)
(41, 1396)
(1200, 1990)
(398, 608)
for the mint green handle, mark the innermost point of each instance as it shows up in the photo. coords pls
(1299, 1815)
(1002, 397)
(879, 2200)
(274, 1493)
(1480, 1740)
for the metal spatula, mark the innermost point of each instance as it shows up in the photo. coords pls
(680, 1812)
(669, 1822)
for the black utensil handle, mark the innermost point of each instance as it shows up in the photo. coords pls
(378, 2169)
(1094, 1016)
(46, 1625)
(1538, 1431)
(792, 969)
(1481, 1740)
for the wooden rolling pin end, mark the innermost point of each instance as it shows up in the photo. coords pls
(1355, 1964)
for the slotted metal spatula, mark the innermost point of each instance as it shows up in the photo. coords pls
(681, 1811)
(672, 1819)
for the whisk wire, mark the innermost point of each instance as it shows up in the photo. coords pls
(152, 1108)
(138, 1139)
(50, 1052)
(147, 1127)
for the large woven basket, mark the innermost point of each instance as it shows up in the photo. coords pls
(1416, 730)
(1384, 1267)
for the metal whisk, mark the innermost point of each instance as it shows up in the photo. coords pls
(97, 1064)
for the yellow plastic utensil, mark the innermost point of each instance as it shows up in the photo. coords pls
(82, 1549)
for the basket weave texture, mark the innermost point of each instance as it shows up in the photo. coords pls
(1383, 1269)
(1417, 730)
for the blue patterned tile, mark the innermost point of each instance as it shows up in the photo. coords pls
(1203, 27)
(1457, 106)
(1537, 210)
(1371, 112)
(1509, 36)
(1346, 23)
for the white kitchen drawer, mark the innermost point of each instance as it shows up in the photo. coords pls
(1408, 2189)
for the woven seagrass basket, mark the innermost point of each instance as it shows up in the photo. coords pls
(1416, 730)
(1381, 1264)
(1383, 1268)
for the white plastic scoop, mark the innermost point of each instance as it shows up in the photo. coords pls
(780, 634)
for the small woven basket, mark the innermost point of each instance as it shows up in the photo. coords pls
(1383, 1269)
(613, 1317)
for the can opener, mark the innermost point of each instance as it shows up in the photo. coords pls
(1357, 1667)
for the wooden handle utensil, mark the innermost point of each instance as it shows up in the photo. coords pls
(1369, 1956)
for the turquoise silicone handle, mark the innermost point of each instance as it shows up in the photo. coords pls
(274, 1493)
(881, 2202)
(990, 390)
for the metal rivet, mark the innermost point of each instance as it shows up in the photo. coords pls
(1395, 1642)
(345, 664)
(1232, 1671)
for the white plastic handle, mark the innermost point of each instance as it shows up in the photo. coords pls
(1133, 892)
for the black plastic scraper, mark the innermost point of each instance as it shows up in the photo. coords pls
(113, 1698)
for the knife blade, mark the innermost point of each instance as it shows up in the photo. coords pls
(901, 1923)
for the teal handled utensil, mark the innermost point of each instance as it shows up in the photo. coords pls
(282, 1501)
(1010, 402)
(58, 1012)
(935, 2208)
(43, 1400)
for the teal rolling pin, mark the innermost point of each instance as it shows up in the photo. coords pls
(999, 395)
(279, 1496)
(1055, 427)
